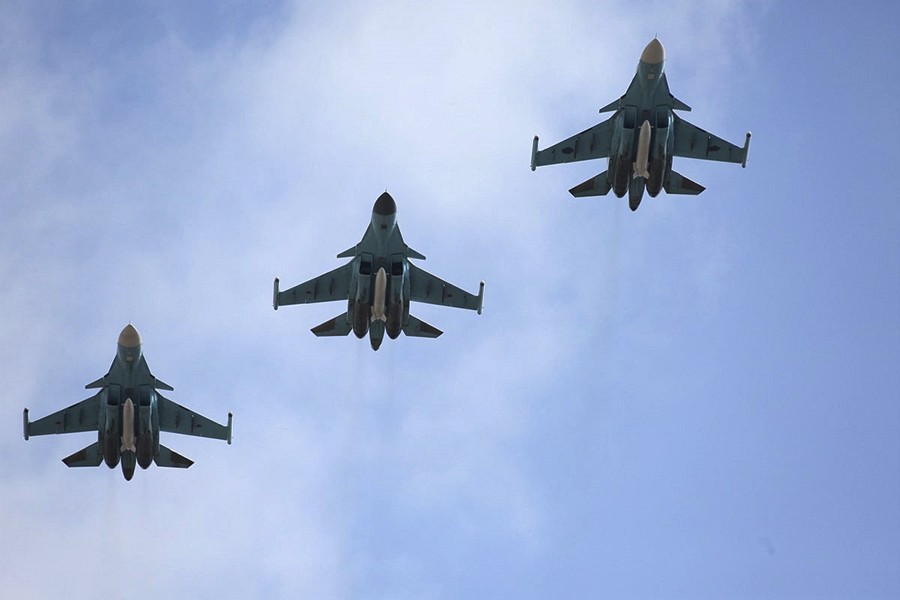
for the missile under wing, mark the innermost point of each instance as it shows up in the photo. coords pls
(640, 139)
(378, 285)
(128, 413)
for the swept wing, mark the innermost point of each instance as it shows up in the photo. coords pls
(595, 142)
(425, 287)
(333, 285)
(82, 416)
(693, 142)
(174, 418)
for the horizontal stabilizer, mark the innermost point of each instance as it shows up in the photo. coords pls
(419, 328)
(87, 457)
(340, 325)
(679, 184)
(170, 458)
(82, 416)
(595, 186)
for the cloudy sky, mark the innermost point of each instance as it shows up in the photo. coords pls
(697, 400)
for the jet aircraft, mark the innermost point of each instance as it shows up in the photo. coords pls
(128, 413)
(378, 285)
(640, 139)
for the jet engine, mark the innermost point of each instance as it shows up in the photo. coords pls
(397, 291)
(145, 432)
(394, 319)
(622, 167)
(362, 308)
(145, 450)
(361, 312)
(657, 170)
(111, 441)
(621, 176)
(661, 159)
(110, 449)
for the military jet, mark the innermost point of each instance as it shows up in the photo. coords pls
(128, 414)
(640, 139)
(378, 285)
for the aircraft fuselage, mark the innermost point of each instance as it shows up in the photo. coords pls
(378, 284)
(129, 416)
(381, 282)
(641, 137)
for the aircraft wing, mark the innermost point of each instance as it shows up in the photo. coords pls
(334, 285)
(83, 416)
(595, 142)
(693, 142)
(425, 287)
(175, 418)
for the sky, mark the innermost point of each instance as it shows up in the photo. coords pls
(700, 399)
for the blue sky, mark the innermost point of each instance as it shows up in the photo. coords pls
(697, 400)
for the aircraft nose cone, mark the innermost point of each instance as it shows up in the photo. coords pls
(385, 205)
(654, 53)
(129, 338)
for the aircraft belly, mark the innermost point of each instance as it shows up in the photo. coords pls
(128, 462)
(376, 334)
(635, 193)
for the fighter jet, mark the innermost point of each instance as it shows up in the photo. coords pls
(128, 413)
(640, 139)
(378, 285)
